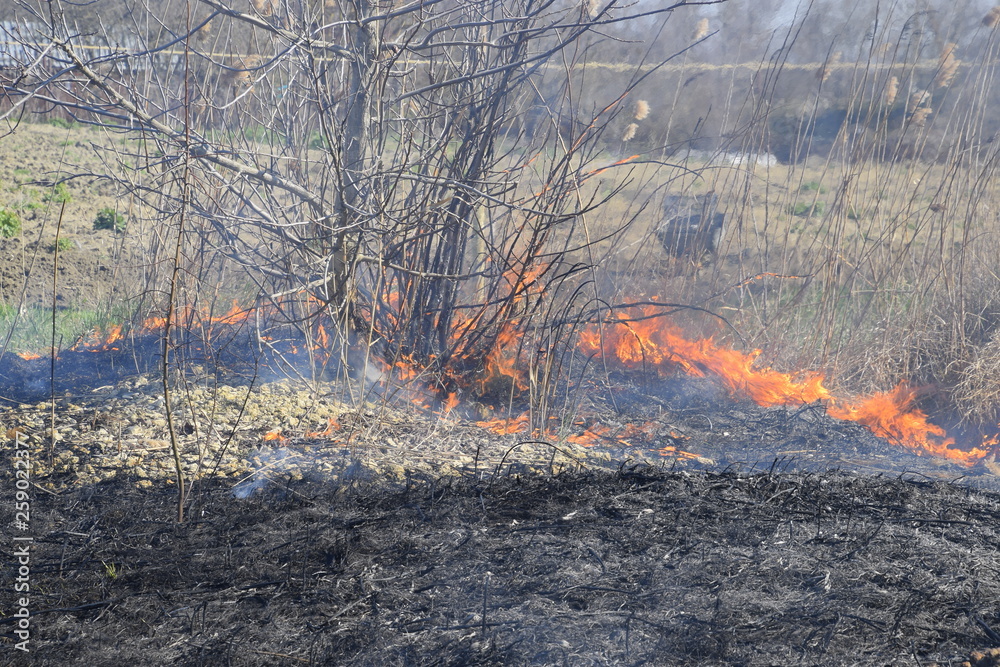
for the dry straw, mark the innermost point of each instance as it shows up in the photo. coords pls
(978, 392)
(701, 30)
(947, 66)
(891, 90)
(992, 17)
(641, 109)
(630, 132)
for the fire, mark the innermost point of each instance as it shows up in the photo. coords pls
(100, 341)
(506, 426)
(594, 435)
(892, 416)
(638, 339)
(644, 341)
(501, 362)
(322, 338)
(650, 343)
(646, 434)
(332, 424)
(103, 340)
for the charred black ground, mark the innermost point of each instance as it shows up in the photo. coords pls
(792, 538)
(638, 566)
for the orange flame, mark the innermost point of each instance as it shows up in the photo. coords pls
(656, 345)
(29, 356)
(892, 416)
(645, 341)
(501, 362)
(600, 434)
(506, 426)
(331, 425)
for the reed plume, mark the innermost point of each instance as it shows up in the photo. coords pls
(992, 17)
(891, 90)
(700, 30)
(947, 66)
(919, 116)
(641, 109)
(204, 32)
(920, 98)
(263, 7)
(630, 132)
(239, 78)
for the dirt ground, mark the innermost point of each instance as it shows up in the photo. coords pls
(95, 263)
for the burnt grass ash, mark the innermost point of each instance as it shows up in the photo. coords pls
(794, 538)
(636, 566)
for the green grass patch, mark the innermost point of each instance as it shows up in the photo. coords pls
(109, 218)
(10, 223)
(32, 330)
(813, 186)
(25, 199)
(62, 245)
(807, 209)
(59, 194)
(62, 122)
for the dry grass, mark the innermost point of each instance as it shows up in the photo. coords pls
(869, 257)
(977, 392)
(877, 285)
(891, 91)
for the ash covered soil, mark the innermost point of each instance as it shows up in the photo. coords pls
(639, 566)
(792, 539)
